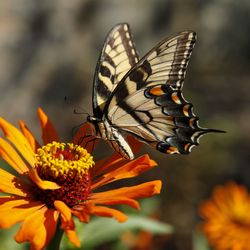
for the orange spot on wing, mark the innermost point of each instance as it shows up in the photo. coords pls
(186, 110)
(186, 147)
(172, 150)
(191, 122)
(157, 91)
(175, 98)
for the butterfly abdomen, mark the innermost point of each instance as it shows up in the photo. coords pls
(115, 139)
(109, 133)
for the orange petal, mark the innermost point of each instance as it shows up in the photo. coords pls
(109, 212)
(134, 143)
(103, 165)
(29, 136)
(9, 154)
(83, 137)
(73, 237)
(63, 209)
(38, 228)
(68, 224)
(49, 133)
(19, 141)
(82, 216)
(139, 191)
(14, 210)
(115, 200)
(123, 171)
(11, 184)
(41, 183)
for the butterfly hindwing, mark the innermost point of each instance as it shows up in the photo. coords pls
(148, 102)
(117, 57)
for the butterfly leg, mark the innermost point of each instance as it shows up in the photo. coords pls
(83, 138)
(93, 144)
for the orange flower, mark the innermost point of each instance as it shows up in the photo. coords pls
(227, 218)
(58, 180)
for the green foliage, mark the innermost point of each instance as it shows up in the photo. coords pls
(148, 206)
(7, 241)
(103, 230)
(199, 241)
(106, 230)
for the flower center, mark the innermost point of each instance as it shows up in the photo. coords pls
(68, 165)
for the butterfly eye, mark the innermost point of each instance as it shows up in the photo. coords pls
(89, 118)
(93, 119)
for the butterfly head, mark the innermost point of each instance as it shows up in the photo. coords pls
(94, 123)
(92, 119)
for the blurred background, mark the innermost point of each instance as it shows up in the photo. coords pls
(49, 50)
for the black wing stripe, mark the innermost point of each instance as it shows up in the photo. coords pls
(181, 51)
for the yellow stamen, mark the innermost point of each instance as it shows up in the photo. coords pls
(63, 160)
(66, 165)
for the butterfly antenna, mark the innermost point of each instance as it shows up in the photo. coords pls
(77, 110)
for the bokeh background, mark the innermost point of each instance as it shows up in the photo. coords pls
(49, 49)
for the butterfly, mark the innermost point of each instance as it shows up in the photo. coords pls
(143, 97)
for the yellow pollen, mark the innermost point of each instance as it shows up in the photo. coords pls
(63, 160)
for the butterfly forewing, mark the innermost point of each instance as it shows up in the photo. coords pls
(117, 57)
(166, 63)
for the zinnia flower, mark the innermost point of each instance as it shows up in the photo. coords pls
(58, 180)
(227, 217)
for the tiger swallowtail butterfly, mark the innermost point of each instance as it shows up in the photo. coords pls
(143, 97)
